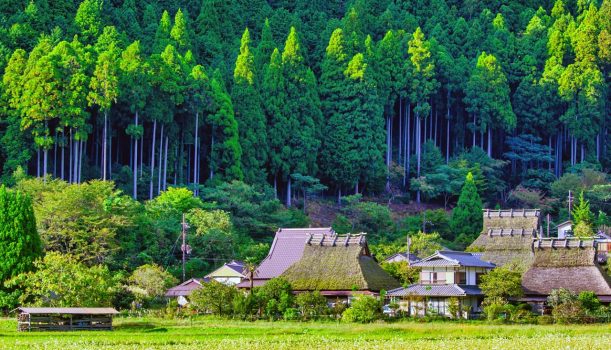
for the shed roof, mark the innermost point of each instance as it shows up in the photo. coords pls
(452, 258)
(286, 249)
(338, 264)
(571, 265)
(69, 310)
(186, 287)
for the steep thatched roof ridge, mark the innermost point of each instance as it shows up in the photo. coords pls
(567, 263)
(338, 267)
(527, 219)
(564, 253)
(502, 250)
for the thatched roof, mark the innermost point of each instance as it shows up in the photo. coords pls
(511, 219)
(342, 263)
(507, 236)
(568, 263)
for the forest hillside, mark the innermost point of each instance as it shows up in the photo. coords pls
(118, 117)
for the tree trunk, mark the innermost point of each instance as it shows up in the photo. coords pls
(418, 151)
(45, 153)
(409, 145)
(448, 138)
(80, 167)
(152, 170)
(212, 155)
(109, 154)
(196, 167)
(76, 161)
(38, 161)
(400, 127)
(288, 193)
(62, 160)
(489, 142)
(160, 160)
(70, 160)
(135, 162)
(142, 151)
(549, 144)
(55, 157)
(104, 147)
(339, 197)
(474, 128)
(276, 186)
(165, 163)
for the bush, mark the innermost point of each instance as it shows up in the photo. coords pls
(494, 308)
(363, 309)
(275, 297)
(589, 301)
(149, 282)
(311, 305)
(290, 314)
(213, 297)
(545, 319)
(569, 312)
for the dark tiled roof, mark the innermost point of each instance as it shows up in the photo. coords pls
(69, 310)
(435, 290)
(286, 249)
(451, 258)
(237, 266)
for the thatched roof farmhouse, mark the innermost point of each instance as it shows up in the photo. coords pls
(507, 235)
(338, 266)
(565, 263)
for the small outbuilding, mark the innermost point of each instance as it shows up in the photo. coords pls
(65, 318)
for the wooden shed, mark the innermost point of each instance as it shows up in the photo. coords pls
(65, 318)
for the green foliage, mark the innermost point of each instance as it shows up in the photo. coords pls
(213, 297)
(467, 221)
(311, 305)
(18, 237)
(275, 297)
(363, 309)
(502, 283)
(150, 282)
(401, 271)
(62, 281)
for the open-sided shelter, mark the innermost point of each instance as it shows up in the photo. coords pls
(64, 318)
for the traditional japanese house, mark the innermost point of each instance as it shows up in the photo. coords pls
(286, 249)
(564, 263)
(338, 266)
(445, 275)
(185, 288)
(507, 236)
(230, 273)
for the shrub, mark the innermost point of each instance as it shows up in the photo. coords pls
(290, 314)
(545, 319)
(311, 305)
(589, 301)
(494, 307)
(364, 309)
(569, 312)
(149, 282)
(213, 297)
(454, 307)
(275, 297)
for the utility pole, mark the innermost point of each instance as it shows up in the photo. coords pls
(548, 225)
(570, 203)
(409, 243)
(184, 247)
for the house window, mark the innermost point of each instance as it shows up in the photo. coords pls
(438, 277)
(460, 278)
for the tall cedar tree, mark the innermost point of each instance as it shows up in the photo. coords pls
(20, 241)
(249, 115)
(226, 153)
(467, 220)
(302, 110)
(337, 151)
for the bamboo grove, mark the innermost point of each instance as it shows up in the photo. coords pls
(357, 94)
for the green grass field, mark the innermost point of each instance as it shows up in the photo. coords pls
(206, 333)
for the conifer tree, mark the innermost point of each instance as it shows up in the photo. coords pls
(302, 110)
(180, 32)
(467, 220)
(20, 241)
(226, 153)
(249, 115)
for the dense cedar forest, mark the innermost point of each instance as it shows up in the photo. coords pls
(250, 115)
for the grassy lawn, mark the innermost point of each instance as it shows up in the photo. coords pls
(207, 333)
